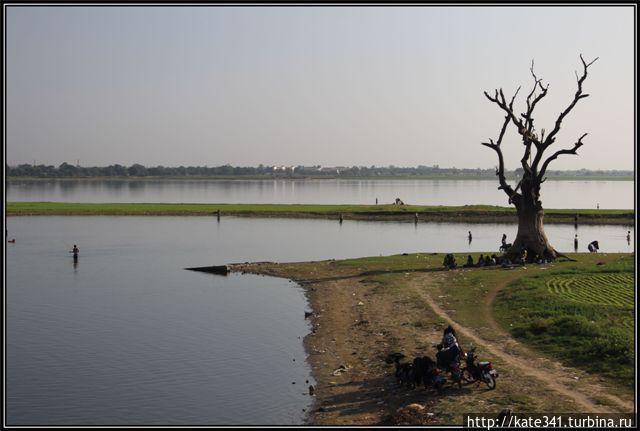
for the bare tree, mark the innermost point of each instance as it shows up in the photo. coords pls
(526, 195)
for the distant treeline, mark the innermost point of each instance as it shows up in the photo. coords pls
(66, 170)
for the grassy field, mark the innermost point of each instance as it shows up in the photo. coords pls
(579, 312)
(472, 213)
(582, 314)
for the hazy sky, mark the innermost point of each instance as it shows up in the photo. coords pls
(320, 85)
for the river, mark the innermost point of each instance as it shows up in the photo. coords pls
(555, 194)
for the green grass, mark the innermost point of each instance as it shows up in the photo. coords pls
(605, 289)
(476, 213)
(582, 313)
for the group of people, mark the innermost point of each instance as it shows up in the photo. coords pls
(482, 261)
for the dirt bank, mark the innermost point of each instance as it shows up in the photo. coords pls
(364, 309)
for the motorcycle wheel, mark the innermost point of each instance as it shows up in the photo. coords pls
(490, 381)
(467, 376)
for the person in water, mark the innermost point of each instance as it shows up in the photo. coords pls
(628, 236)
(575, 243)
(75, 251)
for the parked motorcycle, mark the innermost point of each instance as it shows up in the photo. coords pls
(476, 371)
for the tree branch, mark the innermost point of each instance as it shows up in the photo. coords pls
(531, 105)
(496, 147)
(551, 137)
(558, 153)
(500, 100)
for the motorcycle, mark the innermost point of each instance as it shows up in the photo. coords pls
(476, 371)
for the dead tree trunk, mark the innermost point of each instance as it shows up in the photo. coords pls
(526, 195)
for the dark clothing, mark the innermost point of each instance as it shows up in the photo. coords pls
(447, 356)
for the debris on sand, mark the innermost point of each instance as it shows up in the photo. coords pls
(341, 369)
(412, 414)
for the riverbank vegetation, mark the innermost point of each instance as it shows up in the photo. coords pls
(467, 213)
(138, 171)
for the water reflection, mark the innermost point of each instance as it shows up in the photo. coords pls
(556, 194)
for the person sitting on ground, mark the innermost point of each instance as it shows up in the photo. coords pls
(522, 258)
(481, 260)
(469, 263)
(449, 261)
(494, 260)
(593, 247)
(506, 262)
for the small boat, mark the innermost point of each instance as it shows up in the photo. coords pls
(219, 269)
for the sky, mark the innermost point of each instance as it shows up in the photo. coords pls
(331, 86)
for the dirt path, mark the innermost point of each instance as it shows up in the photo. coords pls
(553, 374)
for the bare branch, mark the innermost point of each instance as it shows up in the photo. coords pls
(551, 138)
(496, 147)
(558, 153)
(501, 101)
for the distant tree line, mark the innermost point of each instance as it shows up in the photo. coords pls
(66, 170)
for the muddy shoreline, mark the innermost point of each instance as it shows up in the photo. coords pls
(352, 383)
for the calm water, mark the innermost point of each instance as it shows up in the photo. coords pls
(128, 337)
(555, 194)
